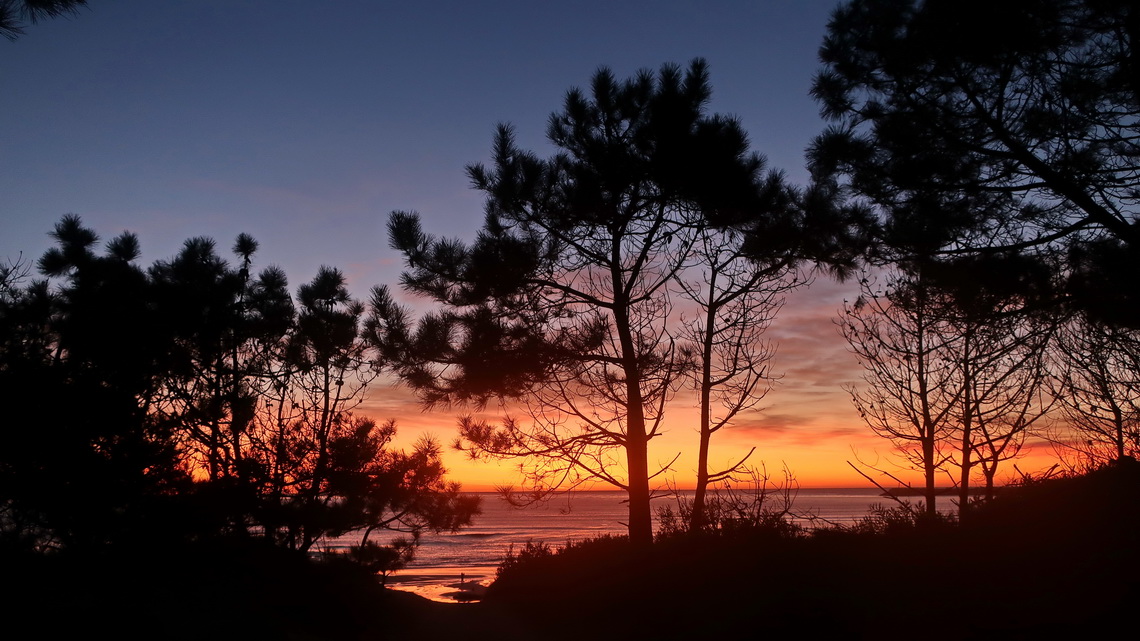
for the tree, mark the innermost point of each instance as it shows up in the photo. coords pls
(911, 394)
(85, 463)
(1098, 391)
(737, 299)
(1003, 378)
(740, 270)
(991, 127)
(199, 403)
(954, 367)
(319, 377)
(1000, 366)
(227, 325)
(323, 471)
(14, 12)
(562, 302)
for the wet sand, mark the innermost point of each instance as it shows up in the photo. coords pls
(444, 585)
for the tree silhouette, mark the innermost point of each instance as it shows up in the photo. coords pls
(88, 465)
(910, 395)
(563, 301)
(14, 12)
(1098, 391)
(1000, 367)
(737, 299)
(955, 369)
(194, 401)
(976, 126)
(225, 322)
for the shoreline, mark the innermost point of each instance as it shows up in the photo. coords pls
(444, 584)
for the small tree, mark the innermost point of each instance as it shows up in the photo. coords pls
(911, 392)
(227, 324)
(81, 362)
(1000, 363)
(955, 365)
(1097, 388)
(737, 298)
(326, 471)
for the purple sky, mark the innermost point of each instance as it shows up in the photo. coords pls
(305, 124)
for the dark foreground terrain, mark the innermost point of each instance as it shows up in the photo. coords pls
(1054, 559)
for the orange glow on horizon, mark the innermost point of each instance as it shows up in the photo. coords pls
(816, 458)
(806, 423)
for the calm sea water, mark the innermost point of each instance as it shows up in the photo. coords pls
(475, 552)
(584, 515)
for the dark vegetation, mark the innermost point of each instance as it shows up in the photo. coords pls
(181, 438)
(15, 14)
(181, 441)
(571, 285)
(1048, 559)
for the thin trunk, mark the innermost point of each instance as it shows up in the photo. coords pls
(1118, 424)
(323, 427)
(698, 519)
(928, 426)
(928, 472)
(967, 447)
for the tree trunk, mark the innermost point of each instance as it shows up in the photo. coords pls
(967, 446)
(698, 519)
(637, 458)
(640, 514)
(929, 469)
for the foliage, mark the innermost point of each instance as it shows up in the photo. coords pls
(887, 520)
(563, 301)
(382, 559)
(84, 461)
(733, 508)
(1053, 533)
(991, 136)
(14, 12)
(530, 552)
(196, 400)
(1094, 375)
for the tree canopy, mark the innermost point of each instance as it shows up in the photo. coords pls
(992, 127)
(564, 300)
(13, 13)
(197, 400)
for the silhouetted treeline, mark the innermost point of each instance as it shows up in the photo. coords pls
(195, 400)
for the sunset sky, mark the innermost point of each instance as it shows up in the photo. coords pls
(304, 124)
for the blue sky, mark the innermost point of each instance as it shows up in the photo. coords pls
(304, 124)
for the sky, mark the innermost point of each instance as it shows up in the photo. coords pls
(305, 124)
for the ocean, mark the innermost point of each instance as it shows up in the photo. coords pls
(471, 555)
